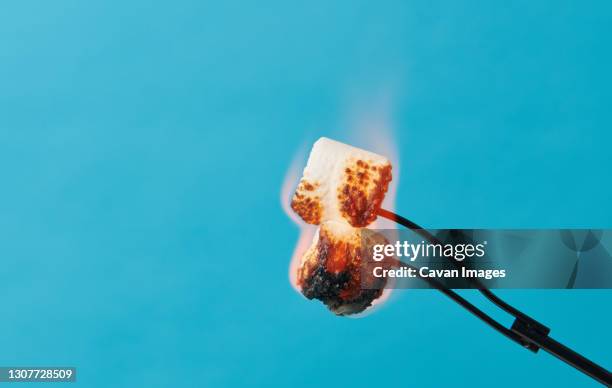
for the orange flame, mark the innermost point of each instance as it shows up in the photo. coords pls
(290, 182)
(307, 231)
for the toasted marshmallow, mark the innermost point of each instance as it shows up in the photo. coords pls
(341, 183)
(336, 270)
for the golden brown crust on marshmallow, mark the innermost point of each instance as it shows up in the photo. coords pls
(363, 191)
(306, 204)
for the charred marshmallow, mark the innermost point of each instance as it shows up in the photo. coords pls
(341, 190)
(334, 271)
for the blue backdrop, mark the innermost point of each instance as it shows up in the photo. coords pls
(143, 146)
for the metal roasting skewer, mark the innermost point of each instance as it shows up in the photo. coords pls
(525, 330)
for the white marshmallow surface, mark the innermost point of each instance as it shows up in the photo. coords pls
(341, 183)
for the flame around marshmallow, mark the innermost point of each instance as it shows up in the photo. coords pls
(341, 190)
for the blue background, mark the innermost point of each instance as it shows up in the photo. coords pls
(143, 146)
